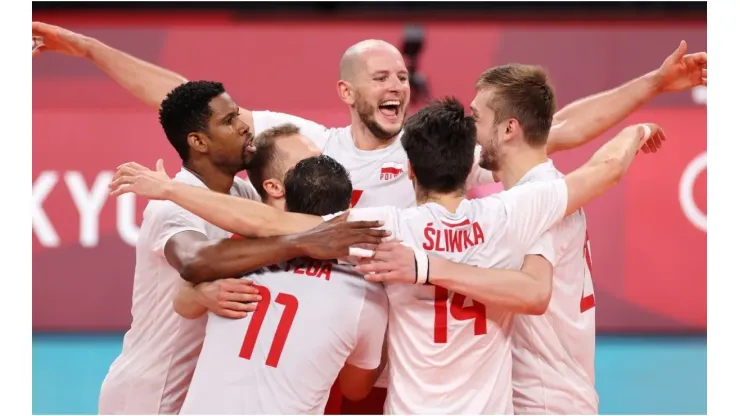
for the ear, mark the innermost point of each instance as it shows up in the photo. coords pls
(274, 188)
(198, 142)
(411, 171)
(344, 89)
(512, 130)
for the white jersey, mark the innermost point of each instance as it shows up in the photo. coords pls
(379, 177)
(152, 373)
(554, 353)
(284, 357)
(448, 354)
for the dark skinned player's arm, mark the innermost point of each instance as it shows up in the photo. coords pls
(199, 260)
(144, 80)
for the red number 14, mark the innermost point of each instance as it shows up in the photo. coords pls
(290, 304)
(477, 312)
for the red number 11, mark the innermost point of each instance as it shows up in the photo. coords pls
(281, 334)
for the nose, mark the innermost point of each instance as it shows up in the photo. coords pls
(395, 84)
(241, 126)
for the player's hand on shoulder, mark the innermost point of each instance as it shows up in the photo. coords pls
(332, 239)
(134, 178)
(653, 138)
(681, 71)
(48, 37)
(230, 298)
(392, 262)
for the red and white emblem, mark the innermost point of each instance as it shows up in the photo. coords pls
(390, 170)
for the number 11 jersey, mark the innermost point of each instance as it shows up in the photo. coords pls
(284, 357)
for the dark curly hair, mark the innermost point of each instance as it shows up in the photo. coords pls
(186, 110)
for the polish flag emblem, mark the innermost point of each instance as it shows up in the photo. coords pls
(390, 170)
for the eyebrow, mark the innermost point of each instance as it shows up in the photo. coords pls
(232, 113)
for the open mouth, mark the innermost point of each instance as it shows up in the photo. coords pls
(390, 109)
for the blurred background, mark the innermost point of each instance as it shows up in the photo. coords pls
(648, 236)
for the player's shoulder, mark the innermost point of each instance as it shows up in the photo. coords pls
(490, 205)
(314, 131)
(546, 172)
(157, 211)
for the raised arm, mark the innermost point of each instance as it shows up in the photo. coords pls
(608, 165)
(147, 82)
(588, 118)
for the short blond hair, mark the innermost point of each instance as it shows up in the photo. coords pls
(521, 92)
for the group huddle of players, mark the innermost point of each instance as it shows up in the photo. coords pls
(364, 264)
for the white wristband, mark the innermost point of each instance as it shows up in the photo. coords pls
(646, 132)
(422, 266)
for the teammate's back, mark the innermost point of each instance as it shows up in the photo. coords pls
(283, 358)
(447, 353)
(314, 317)
(553, 368)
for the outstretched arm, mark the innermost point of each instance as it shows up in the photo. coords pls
(237, 215)
(146, 81)
(588, 118)
(608, 165)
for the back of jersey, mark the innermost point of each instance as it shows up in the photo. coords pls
(284, 357)
(553, 368)
(447, 353)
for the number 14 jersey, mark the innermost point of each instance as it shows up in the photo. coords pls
(446, 353)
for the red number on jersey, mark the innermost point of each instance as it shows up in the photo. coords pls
(356, 194)
(587, 302)
(477, 312)
(290, 304)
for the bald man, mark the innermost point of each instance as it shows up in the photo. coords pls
(374, 84)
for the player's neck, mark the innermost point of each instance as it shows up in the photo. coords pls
(449, 201)
(518, 163)
(211, 176)
(366, 140)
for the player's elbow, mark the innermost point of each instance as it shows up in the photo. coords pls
(355, 391)
(197, 267)
(356, 383)
(538, 301)
(185, 310)
(539, 304)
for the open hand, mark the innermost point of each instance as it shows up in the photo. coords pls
(134, 178)
(681, 71)
(54, 38)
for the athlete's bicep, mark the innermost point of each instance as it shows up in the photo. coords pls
(168, 220)
(181, 248)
